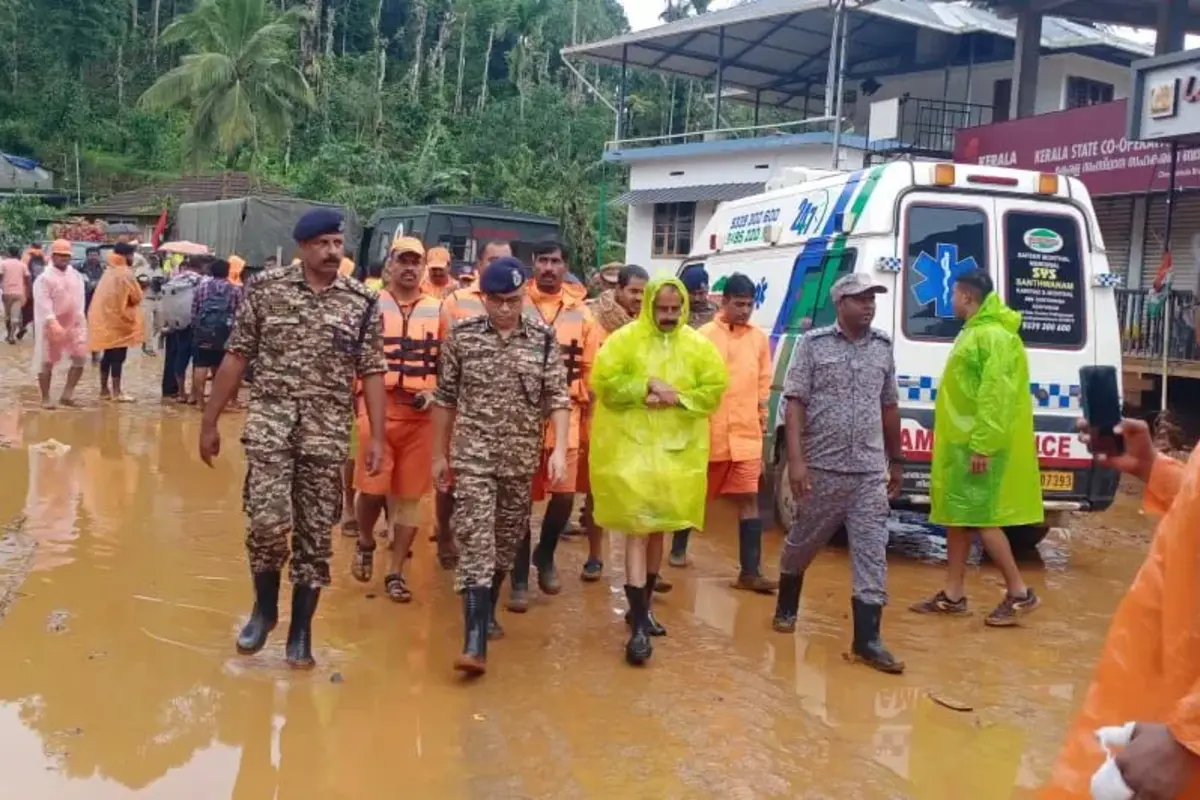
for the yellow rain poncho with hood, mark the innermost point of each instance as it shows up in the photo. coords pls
(984, 407)
(649, 466)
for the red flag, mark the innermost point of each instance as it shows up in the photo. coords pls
(159, 229)
(1162, 278)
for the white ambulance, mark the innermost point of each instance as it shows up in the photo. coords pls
(913, 226)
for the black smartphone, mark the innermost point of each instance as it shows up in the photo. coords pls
(1100, 395)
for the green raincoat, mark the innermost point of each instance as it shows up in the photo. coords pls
(649, 466)
(984, 406)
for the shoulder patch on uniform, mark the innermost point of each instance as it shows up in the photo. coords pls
(470, 323)
(880, 335)
(275, 273)
(355, 286)
(817, 333)
(536, 325)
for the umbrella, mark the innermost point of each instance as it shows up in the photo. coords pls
(184, 248)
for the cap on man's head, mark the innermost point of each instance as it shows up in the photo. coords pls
(695, 279)
(858, 283)
(502, 276)
(407, 244)
(61, 247)
(318, 222)
(438, 257)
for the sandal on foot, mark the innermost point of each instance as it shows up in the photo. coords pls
(363, 565)
(396, 588)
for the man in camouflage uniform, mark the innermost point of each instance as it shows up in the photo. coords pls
(309, 333)
(844, 460)
(500, 375)
(702, 310)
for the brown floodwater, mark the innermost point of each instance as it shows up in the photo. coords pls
(123, 581)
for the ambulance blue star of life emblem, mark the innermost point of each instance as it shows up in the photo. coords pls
(938, 274)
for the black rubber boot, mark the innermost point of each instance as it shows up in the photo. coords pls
(299, 641)
(653, 627)
(787, 605)
(750, 578)
(558, 515)
(494, 629)
(518, 595)
(638, 649)
(868, 647)
(477, 602)
(265, 615)
(679, 546)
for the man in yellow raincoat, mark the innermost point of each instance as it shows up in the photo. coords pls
(985, 468)
(1149, 671)
(657, 382)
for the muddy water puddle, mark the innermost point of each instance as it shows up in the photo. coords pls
(123, 563)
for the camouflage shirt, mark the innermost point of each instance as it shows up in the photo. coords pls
(700, 316)
(307, 348)
(502, 391)
(844, 385)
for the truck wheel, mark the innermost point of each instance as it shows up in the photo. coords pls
(1026, 537)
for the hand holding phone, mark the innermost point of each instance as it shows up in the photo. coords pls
(1101, 399)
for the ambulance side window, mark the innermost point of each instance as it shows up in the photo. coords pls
(943, 242)
(833, 267)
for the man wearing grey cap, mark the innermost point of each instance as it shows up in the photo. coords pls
(310, 333)
(843, 446)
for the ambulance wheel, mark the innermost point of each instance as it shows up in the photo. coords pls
(785, 505)
(1026, 537)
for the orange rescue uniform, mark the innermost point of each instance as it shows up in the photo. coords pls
(736, 430)
(1149, 670)
(578, 340)
(411, 343)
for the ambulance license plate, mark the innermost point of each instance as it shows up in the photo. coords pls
(1058, 481)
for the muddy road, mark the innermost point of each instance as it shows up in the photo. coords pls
(123, 581)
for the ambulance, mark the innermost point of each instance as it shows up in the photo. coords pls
(912, 227)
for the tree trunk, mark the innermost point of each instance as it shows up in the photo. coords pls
(155, 19)
(133, 9)
(121, 74)
(330, 18)
(310, 41)
(487, 62)
(462, 61)
(437, 57)
(414, 78)
(380, 70)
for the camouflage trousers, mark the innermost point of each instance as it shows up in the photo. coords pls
(491, 516)
(858, 501)
(299, 496)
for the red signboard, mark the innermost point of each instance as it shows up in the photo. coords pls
(1087, 143)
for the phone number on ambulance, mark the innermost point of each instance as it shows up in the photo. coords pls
(1049, 327)
(745, 235)
(757, 218)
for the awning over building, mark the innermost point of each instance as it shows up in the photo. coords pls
(777, 51)
(689, 194)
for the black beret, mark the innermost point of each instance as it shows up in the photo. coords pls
(318, 222)
(502, 276)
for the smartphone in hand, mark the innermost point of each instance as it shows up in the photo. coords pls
(1100, 395)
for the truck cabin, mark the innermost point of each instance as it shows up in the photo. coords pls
(460, 229)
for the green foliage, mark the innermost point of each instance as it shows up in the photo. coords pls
(354, 101)
(23, 219)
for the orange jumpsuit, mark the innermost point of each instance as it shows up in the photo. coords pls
(411, 344)
(578, 339)
(736, 430)
(1149, 670)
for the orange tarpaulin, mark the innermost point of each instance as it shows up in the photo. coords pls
(1150, 668)
(114, 319)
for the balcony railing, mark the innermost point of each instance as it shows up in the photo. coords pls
(926, 127)
(811, 125)
(1142, 329)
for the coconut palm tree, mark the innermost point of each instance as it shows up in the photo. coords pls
(240, 81)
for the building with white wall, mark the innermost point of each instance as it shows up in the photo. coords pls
(947, 66)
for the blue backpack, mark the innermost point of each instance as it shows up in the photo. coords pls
(213, 321)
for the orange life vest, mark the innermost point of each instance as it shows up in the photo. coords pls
(575, 328)
(410, 343)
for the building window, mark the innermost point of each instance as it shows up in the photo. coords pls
(1083, 92)
(674, 225)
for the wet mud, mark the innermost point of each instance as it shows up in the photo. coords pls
(123, 581)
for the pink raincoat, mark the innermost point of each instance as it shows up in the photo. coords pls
(59, 324)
